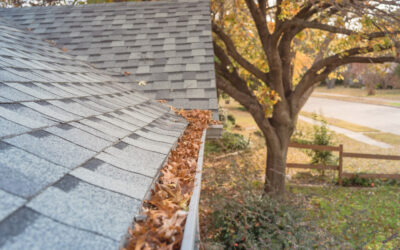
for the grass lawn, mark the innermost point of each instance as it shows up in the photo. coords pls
(368, 217)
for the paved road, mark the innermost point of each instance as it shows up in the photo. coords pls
(383, 118)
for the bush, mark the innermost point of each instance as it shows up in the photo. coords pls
(228, 143)
(241, 108)
(258, 133)
(368, 182)
(232, 119)
(358, 181)
(321, 136)
(258, 222)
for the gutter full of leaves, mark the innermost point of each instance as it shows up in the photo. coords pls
(164, 214)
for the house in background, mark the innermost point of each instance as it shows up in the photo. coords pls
(81, 142)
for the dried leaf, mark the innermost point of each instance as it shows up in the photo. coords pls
(164, 212)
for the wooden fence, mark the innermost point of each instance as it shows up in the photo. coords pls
(339, 167)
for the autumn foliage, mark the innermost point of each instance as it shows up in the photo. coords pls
(164, 214)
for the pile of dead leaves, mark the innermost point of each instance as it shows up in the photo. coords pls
(164, 215)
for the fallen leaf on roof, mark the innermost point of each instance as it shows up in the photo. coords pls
(51, 42)
(162, 101)
(126, 73)
(142, 83)
(64, 49)
(165, 212)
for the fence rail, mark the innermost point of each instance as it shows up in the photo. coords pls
(342, 155)
(315, 147)
(312, 166)
(372, 156)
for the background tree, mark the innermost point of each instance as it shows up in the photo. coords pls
(256, 45)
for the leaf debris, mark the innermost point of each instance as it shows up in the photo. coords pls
(164, 214)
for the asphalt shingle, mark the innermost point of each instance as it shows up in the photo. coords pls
(26, 229)
(24, 174)
(9, 203)
(154, 40)
(80, 147)
(86, 206)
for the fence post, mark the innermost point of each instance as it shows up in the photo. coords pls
(340, 163)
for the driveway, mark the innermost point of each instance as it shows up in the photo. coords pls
(383, 118)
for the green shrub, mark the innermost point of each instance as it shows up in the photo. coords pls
(241, 108)
(321, 136)
(358, 181)
(228, 143)
(258, 222)
(231, 119)
(233, 141)
(258, 133)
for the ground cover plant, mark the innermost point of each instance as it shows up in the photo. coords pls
(362, 217)
(366, 218)
(235, 214)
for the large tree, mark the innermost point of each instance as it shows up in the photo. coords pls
(258, 43)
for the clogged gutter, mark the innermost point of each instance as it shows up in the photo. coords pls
(165, 212)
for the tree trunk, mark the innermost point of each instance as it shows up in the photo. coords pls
(276, 164)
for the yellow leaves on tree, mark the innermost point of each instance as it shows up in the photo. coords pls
(165, 212)
(267, 98)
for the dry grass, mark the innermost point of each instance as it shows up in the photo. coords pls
(385, 137)
(389, 94)
(342, 124)
(359, 100)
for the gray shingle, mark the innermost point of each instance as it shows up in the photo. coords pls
(176, 41)
(24, 174)
(135, 188)
(8, 204)
(27, 229)
(79, 137)
(24, 116)
(65, 125)
(52, 148)
(10, 128)
(13, 94)
(85, 206)
(51, 111)
(106, 127)
(134, 159)
(143, 143)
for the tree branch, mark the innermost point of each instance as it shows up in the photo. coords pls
(232, 73)
(250, 103)
(261, 24)
(311, 78)
(235, 54)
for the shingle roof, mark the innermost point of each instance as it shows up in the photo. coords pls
(78, 149)
(166, 43)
